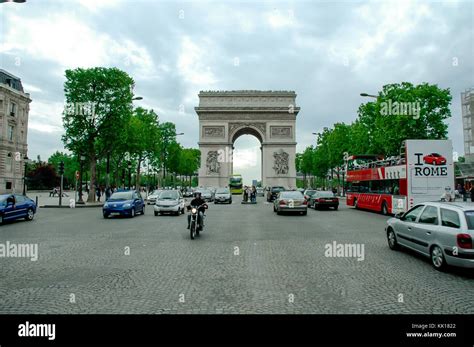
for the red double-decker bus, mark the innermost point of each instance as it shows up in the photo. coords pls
(422, 172)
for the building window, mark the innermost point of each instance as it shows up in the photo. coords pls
(12, 109)
(8, 185)
(8, 162)
(11, 130)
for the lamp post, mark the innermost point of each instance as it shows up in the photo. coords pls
(26, 160)
(368, 95)
(81, 160)
(129, 165)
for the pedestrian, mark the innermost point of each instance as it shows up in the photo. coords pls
(253, 195)
(97, 192)
(472, 193)
(246, 196)
(108, 193)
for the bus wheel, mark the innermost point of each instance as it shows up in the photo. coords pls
(384, 209)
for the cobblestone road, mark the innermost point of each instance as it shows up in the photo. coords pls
(248, 260)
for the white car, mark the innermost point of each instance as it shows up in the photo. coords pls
(223, 195)
(169, 201)
(152, 197)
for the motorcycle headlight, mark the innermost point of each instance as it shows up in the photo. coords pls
(193, 210)
(127, 205)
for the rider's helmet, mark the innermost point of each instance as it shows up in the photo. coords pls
(197, 194)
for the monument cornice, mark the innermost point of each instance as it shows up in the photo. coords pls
(245, 116)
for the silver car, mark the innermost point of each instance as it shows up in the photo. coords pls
(169, 201)
(206, 194)
(222, 195)
(439, 230)
(151, 199)
(290, 201)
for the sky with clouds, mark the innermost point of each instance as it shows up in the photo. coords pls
(327, 51)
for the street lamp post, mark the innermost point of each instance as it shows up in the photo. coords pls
(129, 175)
(27, 160)
(81, 160)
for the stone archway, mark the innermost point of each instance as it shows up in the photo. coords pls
(270, 116)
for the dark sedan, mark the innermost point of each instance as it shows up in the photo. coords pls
(16, 206)
(127, 203)
(324, 199)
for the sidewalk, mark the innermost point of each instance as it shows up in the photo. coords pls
(45, 201)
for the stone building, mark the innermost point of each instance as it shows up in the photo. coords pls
(14, 109)
(467, 104)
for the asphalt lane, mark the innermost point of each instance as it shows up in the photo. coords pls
(247, 260)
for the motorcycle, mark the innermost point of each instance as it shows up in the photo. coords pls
(195, 226)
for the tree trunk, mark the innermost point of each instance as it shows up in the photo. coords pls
(91, 197)
(137, 184)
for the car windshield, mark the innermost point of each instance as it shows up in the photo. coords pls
(168, 195)
(222, 191)
(310, 192)
(277, 189)
(291, 195)
(119, 196)
(326, 194)
(156, 192)
(469, 219)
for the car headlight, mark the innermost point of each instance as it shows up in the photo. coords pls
(127, 205)
(193, 210)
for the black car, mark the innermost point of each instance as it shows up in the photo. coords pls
(323, 199)
(272, 192)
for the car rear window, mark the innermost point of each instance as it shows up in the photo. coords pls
(310, 192)
(469, 219)
(222, 191)
(291, 195)
(277, 189)
(325, 194)
(170, 194)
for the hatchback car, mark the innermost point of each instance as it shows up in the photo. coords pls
(151, 200)
(169, 201)
(323, 199)
(272, 192)
(308, 193)
(16, 206)
(290, 201)
(438, 230)
(434, 159)
(222, 195)
(125, 203)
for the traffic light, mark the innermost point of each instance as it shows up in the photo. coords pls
(61, 168)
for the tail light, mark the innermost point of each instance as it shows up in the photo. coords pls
(282, 202)
(464, 241)
(306, 197)
(305, 202)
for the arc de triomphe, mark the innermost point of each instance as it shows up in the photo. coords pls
(268, 115)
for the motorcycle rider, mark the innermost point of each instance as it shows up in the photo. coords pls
(196, 202)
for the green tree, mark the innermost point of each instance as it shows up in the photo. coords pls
(99, 104)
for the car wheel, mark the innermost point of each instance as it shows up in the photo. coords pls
(392, 240)
(143, 210)
(384, 209)
(132, 213)
(305, 213)
(437, 258)
(278, 212)
(30, 214)
(274, 209)
(156, 214)
(315, 206)
(230, 201)
(335, 208)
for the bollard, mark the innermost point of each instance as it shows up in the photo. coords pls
(36, 200)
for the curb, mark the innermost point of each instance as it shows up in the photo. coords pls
(67, 206)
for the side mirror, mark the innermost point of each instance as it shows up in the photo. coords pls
(399, 215)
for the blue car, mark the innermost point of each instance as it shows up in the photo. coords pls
(16, 206)
(124, 203)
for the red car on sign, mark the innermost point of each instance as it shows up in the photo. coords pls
(434, 159)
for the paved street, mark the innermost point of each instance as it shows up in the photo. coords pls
(280, 267)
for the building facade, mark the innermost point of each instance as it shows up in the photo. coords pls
(14, 109)
(467, 104)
